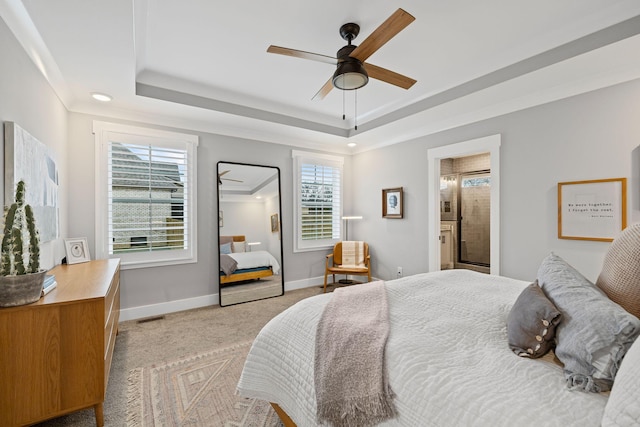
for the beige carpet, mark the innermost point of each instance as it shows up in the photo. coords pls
(195, 391)
(179, 336)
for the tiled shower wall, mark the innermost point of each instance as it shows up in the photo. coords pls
(477, 206)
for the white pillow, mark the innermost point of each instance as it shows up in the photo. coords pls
(239, 247)
(623, 406)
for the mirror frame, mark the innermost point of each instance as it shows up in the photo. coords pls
(279, 231)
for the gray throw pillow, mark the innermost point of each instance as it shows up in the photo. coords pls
(531, 323)
(595, 332)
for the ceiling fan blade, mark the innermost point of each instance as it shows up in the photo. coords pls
(229, 179)
(397, 22)
(324, 90)
(388, 76)
(302, 54)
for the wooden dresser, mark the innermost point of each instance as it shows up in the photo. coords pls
(55, 354)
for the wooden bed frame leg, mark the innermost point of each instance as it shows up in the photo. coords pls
(288, 422)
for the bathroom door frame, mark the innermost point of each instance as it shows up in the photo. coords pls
(488, 144)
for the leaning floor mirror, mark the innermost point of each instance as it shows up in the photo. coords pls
(249, 233)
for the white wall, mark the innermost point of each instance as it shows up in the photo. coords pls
(253, 220)
(590, 136)
(161, 285)
(272, 241)
(246, 218)
(27, 99)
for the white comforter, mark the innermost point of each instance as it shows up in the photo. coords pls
(449, 363)
(256, 259)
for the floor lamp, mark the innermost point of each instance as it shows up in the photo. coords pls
(346, 237)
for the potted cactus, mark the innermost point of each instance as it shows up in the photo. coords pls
(21, 278)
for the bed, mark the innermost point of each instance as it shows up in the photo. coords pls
(448, 352)
(239, 265)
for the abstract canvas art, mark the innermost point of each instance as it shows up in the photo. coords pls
(27, 159)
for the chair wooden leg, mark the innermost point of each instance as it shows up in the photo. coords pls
(325, 282)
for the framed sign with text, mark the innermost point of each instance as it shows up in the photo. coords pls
(592, 210)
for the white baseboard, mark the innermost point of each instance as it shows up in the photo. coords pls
(159, 309)
(304, 283)
(317, 281)
(167, 307)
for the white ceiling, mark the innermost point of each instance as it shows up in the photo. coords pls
(203, 65)
(242, 182)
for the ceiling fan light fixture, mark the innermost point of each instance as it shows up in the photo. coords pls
(350, 75)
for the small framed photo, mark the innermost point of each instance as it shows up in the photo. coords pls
(77, 250)
(220, 220)
(274, 223)
(392, 203)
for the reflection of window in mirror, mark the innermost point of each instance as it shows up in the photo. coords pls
(249, 197)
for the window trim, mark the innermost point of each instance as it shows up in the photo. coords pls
(322, 159)
(103, 132)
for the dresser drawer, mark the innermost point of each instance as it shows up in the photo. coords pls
(112, 298)
(112, 315)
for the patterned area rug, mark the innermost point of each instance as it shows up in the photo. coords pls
(195, 391)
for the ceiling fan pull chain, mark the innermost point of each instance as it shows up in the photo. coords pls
(355, 117)
(343, 105)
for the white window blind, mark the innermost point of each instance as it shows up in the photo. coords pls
(145, 196)
(318, 190)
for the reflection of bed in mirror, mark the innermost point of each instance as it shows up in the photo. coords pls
(251, 258)
(248, 265)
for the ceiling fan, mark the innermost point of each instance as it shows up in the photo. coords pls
(352, 72)
(220, 178)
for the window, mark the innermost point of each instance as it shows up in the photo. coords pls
(318, 194)
(145, 195)
(484, 181)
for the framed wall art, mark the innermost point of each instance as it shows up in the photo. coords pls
(392, 203)
(29, 160)
(592, 210)
(275, 224)
(77, 250)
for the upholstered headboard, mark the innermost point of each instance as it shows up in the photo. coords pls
(229, 239)
(620, 276)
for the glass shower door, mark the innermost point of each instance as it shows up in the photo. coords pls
(475, 202)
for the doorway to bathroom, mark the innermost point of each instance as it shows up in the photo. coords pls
(465, 212)
(470, 148)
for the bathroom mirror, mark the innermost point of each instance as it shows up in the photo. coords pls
(249, 233)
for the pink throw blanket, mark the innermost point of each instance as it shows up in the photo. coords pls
(351, 379)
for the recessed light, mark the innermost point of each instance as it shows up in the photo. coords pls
(103, 97)
(351, 144)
